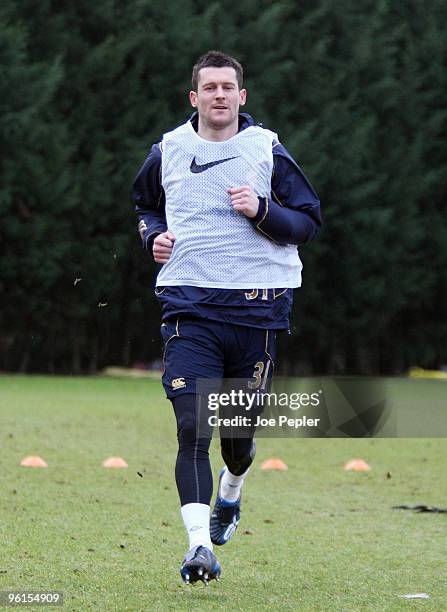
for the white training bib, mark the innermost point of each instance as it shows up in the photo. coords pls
(216, 246)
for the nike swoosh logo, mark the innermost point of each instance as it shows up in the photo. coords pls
(196, 168)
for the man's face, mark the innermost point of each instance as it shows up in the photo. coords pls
(218, 97)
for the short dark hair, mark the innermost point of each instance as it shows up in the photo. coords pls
(216, 59)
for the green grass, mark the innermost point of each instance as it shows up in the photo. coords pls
(318, 538)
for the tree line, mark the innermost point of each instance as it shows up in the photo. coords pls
(355, 90)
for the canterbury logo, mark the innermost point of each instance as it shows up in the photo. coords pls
(196, 168)
(178, 383)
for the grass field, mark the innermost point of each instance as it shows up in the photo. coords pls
(312, 538)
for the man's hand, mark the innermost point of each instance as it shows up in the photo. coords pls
(244, 200)
(163, 245)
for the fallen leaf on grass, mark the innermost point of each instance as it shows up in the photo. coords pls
(421, 508)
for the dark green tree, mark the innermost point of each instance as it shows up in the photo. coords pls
(355, 91)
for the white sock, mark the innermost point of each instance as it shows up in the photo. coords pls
(231, 485)
(196, 518)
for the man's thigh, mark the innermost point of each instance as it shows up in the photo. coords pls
(193, 349)
(249, 361)
(250, 355)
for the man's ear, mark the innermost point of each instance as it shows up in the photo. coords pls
(193, 98)
(242, 97)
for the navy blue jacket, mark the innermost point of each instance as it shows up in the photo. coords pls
(291, 215)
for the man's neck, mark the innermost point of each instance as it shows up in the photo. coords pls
(208, 132)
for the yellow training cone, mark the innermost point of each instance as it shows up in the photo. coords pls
(357, 465)
(114, 462)
(274, 464)
(33, 461)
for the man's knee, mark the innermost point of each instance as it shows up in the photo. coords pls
(189, 434)
(185, 413)
(238, 454)
(186, 429)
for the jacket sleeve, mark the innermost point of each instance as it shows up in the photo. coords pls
(291, 214)
(149, 199)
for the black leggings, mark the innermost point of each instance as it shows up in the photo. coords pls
(192, 469)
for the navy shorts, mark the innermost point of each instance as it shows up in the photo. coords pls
(201, 348)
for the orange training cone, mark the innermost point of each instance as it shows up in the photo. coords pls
(274, 464)
(33, 461)
(114, 462)
(357, 465)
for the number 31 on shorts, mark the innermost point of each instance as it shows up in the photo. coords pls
(260, 375)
